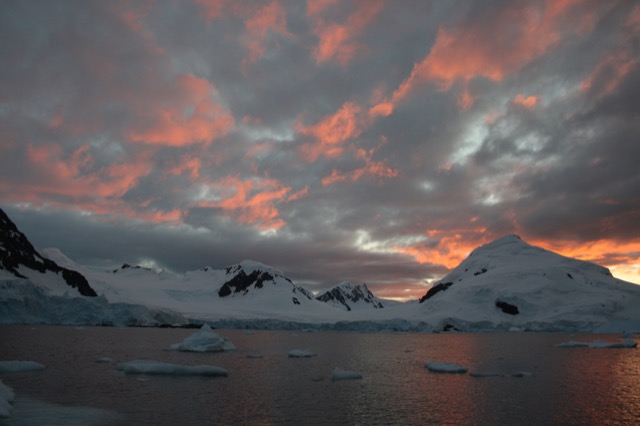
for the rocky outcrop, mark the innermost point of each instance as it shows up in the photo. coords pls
(347, 296)
(435, 290)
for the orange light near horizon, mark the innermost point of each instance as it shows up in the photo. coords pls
(622, 258)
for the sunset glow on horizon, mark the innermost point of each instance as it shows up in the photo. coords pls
(371, 141)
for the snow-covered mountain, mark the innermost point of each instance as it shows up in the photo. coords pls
(20, 259)
(506, 284)
(247, 290)
(509, 283)
(349, 296)
(34, 289)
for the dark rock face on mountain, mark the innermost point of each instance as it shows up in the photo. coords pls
(348, 296)
(132, 267)
(242, 281)
(506, 307)
(249, 276)
(16, 251)
(435, 289)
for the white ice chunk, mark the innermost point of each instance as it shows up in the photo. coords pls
(163, 368)
(340, 374)
(19, 366)
(7, 396)
(445, 367)
(599, 344)
(204, 340)
(301, 353)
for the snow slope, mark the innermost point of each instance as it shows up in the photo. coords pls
(509, 283)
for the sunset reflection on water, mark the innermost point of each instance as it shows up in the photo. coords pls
(560, 385)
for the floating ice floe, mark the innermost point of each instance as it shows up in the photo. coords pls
(446, 367)
(485, 374)
(19, 366)
(163, 368)
(521, 374)
(6, 398)
(104, 360)
(301, 353)
(204, 340)
(340, 374)
(599, 344)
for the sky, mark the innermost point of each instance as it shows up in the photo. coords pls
(371, 141)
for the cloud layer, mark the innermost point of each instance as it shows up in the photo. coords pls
(365, 140)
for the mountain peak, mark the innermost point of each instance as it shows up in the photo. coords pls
(348, 296)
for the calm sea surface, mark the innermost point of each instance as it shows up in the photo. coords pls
(566, 385)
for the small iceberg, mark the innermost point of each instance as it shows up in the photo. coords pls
(7, 397)
(19, 366)
(163, 368)
(301, 353)
(204, 340)
(600, 344)
(340, 374)
(446, 367)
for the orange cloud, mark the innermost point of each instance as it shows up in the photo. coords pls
(528, 102)
(189, 118)
(251, 201)
(212, 8)
(331, 132)
(70, 177)
(616, 65)
(187, 164)
(371, 168)
(609, 73)
(269, 18)
(452, 248)
(71, 182)
(338, 42)
(491, 49)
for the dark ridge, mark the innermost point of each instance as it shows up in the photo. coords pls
(435, 289)
(357, 293)
(241, 282)
(19, 251)
(507, 308)
(480, 272)
(127, 266)
(334, 294)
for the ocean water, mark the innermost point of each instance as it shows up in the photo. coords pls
(561, 385)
